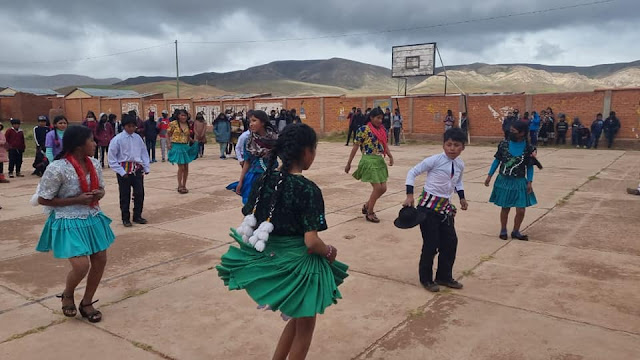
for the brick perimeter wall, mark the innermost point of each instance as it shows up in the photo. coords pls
(423, 115)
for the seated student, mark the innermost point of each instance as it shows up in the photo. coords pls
(584, 137)
(444, 177)
(40, 163)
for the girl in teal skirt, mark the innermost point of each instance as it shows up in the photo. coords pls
(76, 228)
(283, 264)
(182, 148)
(371, 139)
(513, 187)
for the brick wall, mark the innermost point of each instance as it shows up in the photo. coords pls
(423, 115)
(626, 104)
(6, 108)
(27, 107)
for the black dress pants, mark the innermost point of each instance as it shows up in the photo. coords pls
(438, 237)
(125, 184)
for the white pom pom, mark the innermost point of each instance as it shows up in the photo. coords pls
(251, 220)
(260, 245)
(245, 239)
(253, 240)
(268, 227)
(262, 235)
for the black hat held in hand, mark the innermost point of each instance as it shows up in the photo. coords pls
(409, 217)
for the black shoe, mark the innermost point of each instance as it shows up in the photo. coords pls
(127, 223)
(450, 284)
(431, 286)
(519, 236)
(503, 236)
(140, 220)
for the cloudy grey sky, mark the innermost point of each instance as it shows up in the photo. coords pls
(37, 36)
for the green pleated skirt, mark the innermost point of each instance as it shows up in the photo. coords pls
(511, 192)
(182, 153)
(284, 277)
(69, 238)
(372, 169)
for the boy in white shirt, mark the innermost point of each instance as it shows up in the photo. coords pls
(444, 176)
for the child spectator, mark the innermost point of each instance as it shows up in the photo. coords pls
(611, 127)
(3, 155)
(222, 131)
(53, 143)
(163, 129)
(151, 135)
(552, 127)
(40, 132)
(464, 124)
(104, 133)
(16, 146)
(534, 128)
(129, 159)
(444, 177)
(561, 129)
(543, 134)
(449, 120)
(397, 127)
(584, 137)
(91, 122)
(575, 126)
(200, 133)
(596, 130)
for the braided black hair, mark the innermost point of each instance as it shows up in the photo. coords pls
(74, 137)
(290, 146)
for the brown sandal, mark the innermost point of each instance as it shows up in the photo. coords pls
(94, 316)
(372, 218)
(68, 310)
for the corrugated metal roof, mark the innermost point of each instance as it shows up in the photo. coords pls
(136, 96)
(108, 92)
(34, 91)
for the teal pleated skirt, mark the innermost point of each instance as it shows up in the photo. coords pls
(69, 238)
(372, 169)
(183, 153)
(284, 277)
(511, 192)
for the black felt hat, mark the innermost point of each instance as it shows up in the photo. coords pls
(409, 217)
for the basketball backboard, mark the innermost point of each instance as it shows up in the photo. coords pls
(413, 60)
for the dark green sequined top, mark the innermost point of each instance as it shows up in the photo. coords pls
(299, 209)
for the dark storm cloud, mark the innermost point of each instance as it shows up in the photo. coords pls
(64, 29)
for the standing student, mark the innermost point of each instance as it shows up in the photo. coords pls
(129, 159)
(236, 124)
(286, 268)
(182, 149)
(115, 124)
(464, 124)
(163, 129)
(104, 134)
(449, 120)
(397, 127)
(15, 146)
(611, 127)
(151, 135)
(3, 155)
(513, 187)
(596, 130)
(295, 119)
(53, 142)
(222, 131)
(575, 127)
(371, 139)
(561, 130)
(257, 154)
(40, 133)
(357, 120)
(386, 121)
(91, 122)
(534, 128)
(444, 177)
(76, 228)
(507, 122)
(552, 124)
(200, 133)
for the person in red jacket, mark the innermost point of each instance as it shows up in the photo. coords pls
(16, 146)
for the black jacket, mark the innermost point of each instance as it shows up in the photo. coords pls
(150, 130)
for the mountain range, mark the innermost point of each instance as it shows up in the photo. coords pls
(340, 76)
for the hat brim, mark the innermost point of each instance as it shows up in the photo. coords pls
(421, 217)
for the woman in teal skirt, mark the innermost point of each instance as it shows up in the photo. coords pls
(76, 228)
(371, 139)
(283, 264)
(513, 187)
(182, 148)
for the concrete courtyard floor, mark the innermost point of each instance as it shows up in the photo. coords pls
(572, 292)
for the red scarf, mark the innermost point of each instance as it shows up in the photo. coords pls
(93, 175)
(380, 133)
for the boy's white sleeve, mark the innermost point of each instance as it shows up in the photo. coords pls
(423, 167)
